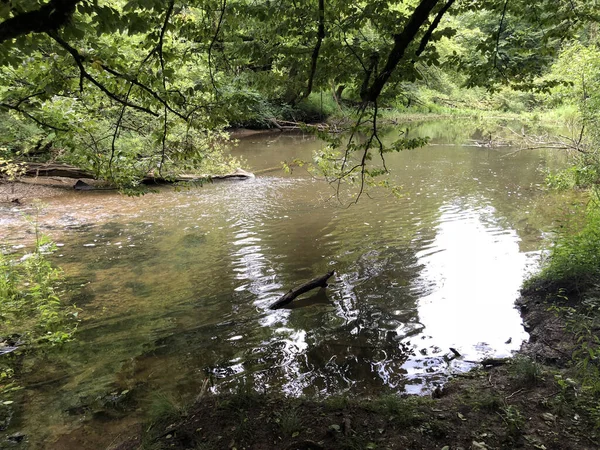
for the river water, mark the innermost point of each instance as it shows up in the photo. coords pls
(174, 287)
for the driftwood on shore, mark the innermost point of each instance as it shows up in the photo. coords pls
(286, 125)
(55, 170)
(302, 289)
(66, 171)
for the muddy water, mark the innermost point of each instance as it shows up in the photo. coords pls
(174, 287)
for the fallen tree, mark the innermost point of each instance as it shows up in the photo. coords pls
(302, 289)
(66, 171)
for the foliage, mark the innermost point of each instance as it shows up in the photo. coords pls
(573, 263)
(290, 421)
(127, 87)
(513, 419)
(570, 277)
(578, 69)
(30, 306)
(583, 392)
(164, 408)
(526, 371)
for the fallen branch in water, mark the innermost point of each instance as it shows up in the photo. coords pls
(302, 289)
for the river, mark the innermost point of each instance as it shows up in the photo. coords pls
(174, 287)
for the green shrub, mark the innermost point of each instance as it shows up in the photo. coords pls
(573, 263)
(526, 371)
(29, 303)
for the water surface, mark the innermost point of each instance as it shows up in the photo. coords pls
(174, 287)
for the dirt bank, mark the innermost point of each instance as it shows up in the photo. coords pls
(31, 188)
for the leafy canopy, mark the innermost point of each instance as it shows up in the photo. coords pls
(130, 87)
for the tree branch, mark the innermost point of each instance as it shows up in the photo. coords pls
(427, 36)
(401, 43)
(49, 17)
(31, 116)
(317, 49)
(79, 59)
(212, 44)
(496, 50)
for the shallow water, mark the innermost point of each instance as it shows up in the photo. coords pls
(174, 287)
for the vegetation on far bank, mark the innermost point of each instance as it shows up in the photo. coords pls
(126, 88)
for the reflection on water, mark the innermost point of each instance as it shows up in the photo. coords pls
(175, 287)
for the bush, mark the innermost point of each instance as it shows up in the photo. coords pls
(30, 307)
(573, 263)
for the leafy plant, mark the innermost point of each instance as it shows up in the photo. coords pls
(289, 420)
(526, 371)
(29, 300)
(573, 263)
(514, 420)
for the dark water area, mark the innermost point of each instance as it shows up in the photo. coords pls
(174, 287)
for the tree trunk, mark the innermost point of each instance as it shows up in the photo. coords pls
(66, 171)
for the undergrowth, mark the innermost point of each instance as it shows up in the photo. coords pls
(570, 281)
(32, 314)
(573, 263)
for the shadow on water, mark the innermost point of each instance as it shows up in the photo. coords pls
(175, 287)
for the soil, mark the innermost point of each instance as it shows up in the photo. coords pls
(28, 189)
(517, 404)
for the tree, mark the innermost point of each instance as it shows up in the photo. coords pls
(127, 87)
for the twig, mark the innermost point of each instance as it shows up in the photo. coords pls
(513, 394)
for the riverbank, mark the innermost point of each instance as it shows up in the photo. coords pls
(530, 401)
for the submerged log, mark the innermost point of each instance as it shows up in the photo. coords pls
(302, 289)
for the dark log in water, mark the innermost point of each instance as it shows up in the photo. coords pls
(302, 289)
(239, 174)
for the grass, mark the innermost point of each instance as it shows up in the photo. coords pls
(404, 410)
(526, 372)
(164, 408)
(243, 399)
(513, 419)
(289, 421)
(569, 282)
(488, 402)
(573, 264)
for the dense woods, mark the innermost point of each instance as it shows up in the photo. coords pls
(124, 88)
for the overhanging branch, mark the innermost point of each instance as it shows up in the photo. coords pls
(79, 59)
(401, 42)
(317, 49)
(50, 17)
(427, 36)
